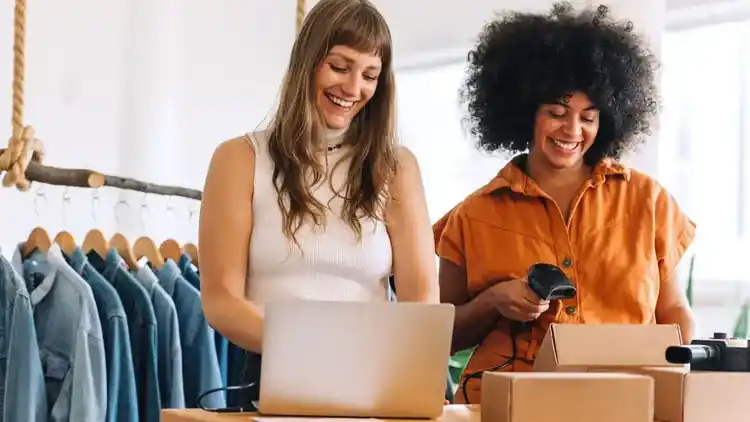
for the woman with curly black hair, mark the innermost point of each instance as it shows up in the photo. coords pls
(567, 93)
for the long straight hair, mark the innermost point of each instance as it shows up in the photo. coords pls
(297, 127)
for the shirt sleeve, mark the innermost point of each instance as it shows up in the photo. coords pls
(122, 399)
(449, 237)
(26, 400)
(674, 233)
(87, 385)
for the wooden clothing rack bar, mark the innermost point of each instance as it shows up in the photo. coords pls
(82, 178)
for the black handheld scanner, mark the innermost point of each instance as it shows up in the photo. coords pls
(548, 282)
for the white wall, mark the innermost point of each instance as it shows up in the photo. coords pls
(147, 89)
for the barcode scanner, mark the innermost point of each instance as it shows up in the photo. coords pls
(548, 282)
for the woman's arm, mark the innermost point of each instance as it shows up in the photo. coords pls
(226, 220)
(474, 318)
(674, 235)
(672, 308)
(409, 228)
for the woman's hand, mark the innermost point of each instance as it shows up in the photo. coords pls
(516, 301)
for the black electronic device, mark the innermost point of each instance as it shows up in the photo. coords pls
(718, 353)
(550, 282)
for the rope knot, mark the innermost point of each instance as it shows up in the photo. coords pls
(23, 148)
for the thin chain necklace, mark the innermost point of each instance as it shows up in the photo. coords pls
(334, 147)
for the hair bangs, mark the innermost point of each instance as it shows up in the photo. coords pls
(365, 31)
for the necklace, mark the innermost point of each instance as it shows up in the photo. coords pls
(334, 147)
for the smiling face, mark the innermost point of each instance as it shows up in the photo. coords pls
(344, 82)
(564, 131)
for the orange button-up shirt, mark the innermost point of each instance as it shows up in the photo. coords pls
(624, 236)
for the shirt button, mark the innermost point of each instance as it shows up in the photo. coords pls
(570, 310)
(567, 262)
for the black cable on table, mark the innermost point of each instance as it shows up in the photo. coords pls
(234, 409)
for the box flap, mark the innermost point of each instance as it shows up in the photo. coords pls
(498, 392)
(668, 393)
(533, 397)
(575, 346)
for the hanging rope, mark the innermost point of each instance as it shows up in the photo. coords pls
(300, 14)
(22, 146)
(21, 161)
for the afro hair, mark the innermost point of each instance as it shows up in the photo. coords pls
(524, 60)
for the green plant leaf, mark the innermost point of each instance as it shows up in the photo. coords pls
(689, 291)
(458, 363)
(741, 326)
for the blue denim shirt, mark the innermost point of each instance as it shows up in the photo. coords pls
(69, 335)
(222, 344)
(122, 400)
(20, 365)
(168, 341)
(142, 327)
(200, 366)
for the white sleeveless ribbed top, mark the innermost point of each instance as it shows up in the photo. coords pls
(331, 263)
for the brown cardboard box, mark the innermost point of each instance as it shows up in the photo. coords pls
(683, 396)
(597, 347)
(679, 395)
(564, 397)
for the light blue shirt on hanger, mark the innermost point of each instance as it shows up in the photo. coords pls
(69, 335)
(168, 342)
(20, 366)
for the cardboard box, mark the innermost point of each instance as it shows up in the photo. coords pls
(683, 396)
(679, 395)
(565, 397)
(606, 347)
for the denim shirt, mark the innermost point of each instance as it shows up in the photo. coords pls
(142, 327)
(122, 400)
(168, 341)
(199, 363)
(20, 365)
(222, 344)
(69, 335)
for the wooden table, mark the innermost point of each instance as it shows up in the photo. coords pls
(452, 413)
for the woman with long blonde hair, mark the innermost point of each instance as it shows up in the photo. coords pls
(323, 204)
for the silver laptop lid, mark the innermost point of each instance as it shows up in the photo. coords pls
(355, 359)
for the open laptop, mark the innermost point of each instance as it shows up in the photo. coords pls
(354, 359)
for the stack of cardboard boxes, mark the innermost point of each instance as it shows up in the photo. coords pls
(617, 370)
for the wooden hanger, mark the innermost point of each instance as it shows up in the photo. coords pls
(120, 243)
(95, 241)
(38, 239)
(170, 249)
(144, 246)
(192, 250)
(66, 241)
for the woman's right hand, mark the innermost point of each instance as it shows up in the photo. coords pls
(517, 302)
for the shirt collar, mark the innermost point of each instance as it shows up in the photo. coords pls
(51, 261)
(513, 177)
(146, 276)
(168, 274)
